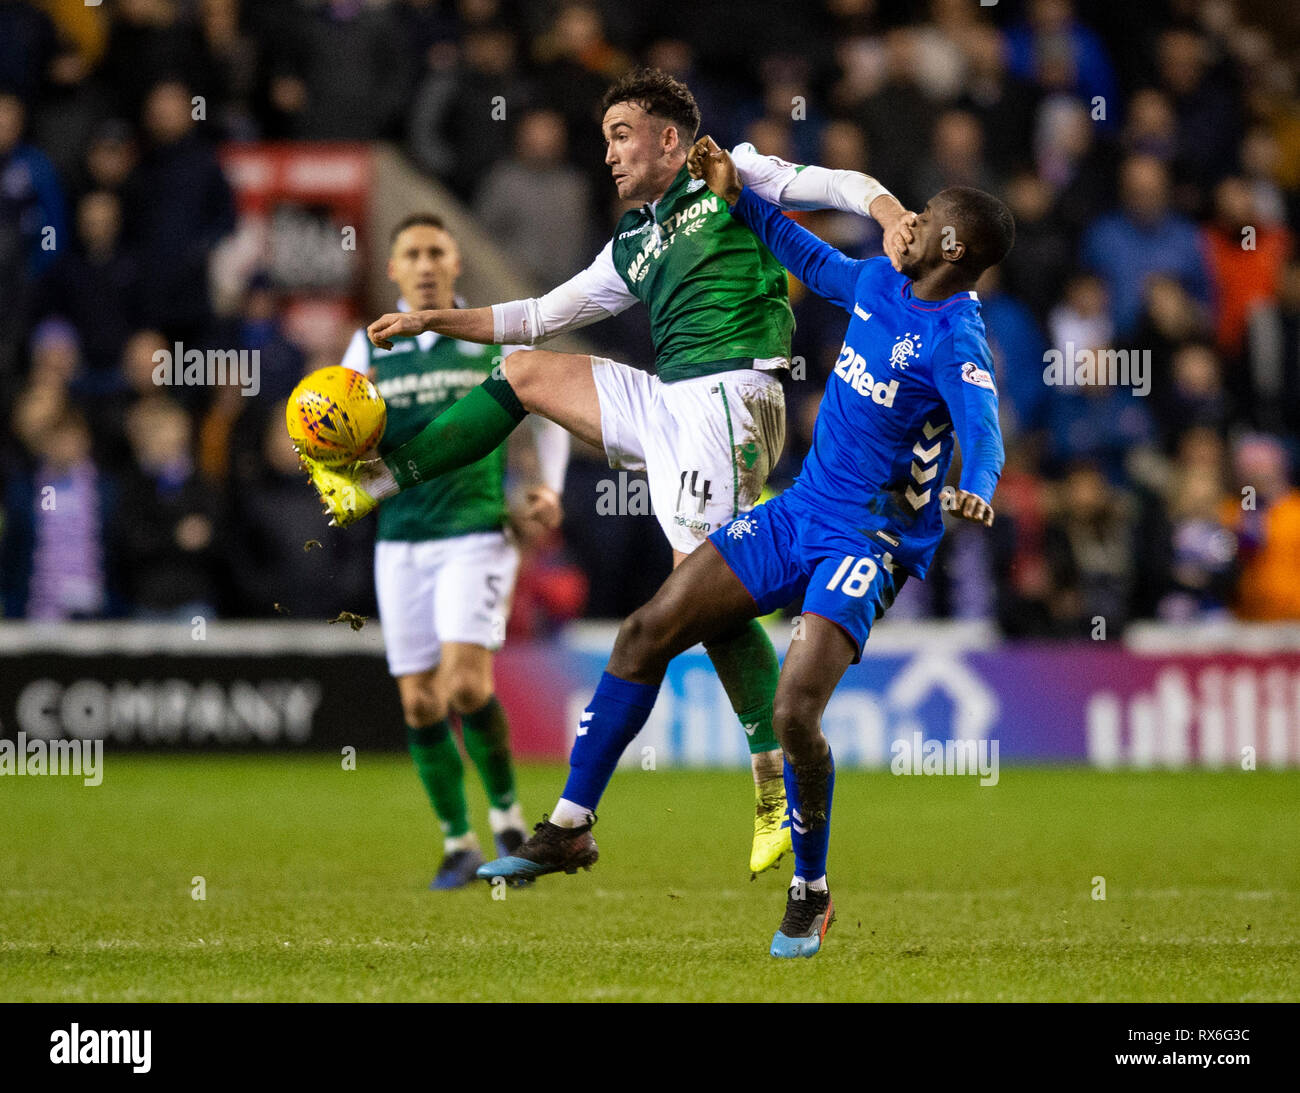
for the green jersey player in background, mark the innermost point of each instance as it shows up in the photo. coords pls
(710, 424)
(445, 562)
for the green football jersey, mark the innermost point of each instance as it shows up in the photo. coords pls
(418, 381)
(717, 298)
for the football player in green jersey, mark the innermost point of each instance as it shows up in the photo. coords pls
(445, 561)
(708, 427)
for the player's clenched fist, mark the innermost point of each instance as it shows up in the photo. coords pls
(969, 506)
(707, 161)
(396, 324)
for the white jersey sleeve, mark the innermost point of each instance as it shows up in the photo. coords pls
(789, 186)
(357, 356)
(594, 294)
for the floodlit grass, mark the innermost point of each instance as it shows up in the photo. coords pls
(315, 889)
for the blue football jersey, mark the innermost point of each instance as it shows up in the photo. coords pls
(911, 375)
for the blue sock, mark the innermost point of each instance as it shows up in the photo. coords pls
(617, 712)
(809, 792)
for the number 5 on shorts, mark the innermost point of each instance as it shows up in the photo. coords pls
(859, 580)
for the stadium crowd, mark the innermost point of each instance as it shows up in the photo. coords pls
(1150, 153)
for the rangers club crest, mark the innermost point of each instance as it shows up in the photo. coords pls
(905, 348)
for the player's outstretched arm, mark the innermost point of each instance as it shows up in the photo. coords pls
(466, 324)
(821, 267)
(796, 186)
(594, 294)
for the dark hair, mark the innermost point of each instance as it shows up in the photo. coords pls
(984, 223)
(659, 94)
(415, 220)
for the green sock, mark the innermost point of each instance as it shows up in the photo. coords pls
(487, 740)
(462, 434)
(747, 665)
(438, 762)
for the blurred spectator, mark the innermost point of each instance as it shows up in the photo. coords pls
(1142, 238)
(956, 156)
(164, 534)
(55, 355)
(1245, 260)
(898, 117)
(1098, 423)
(1037, 266)
(149, 42)
(65, 117)
(1170, 318)
(460, 123)
(1259, 167)
(1018, 347)
(318, 43)
(1024, 579)
(230, 432)
(1151, 128)
(1082, 318)
(27, 46)
(783, 106)
(1265, 516)
(1003, 104)
(576, 63)
(1203, 551)
(1209, 117)
(1054, 50)
(178, 206)
(110, 157)
(550, 591)
(272, 520)
(52, 561)
(1196, 396)
(536, 205)
(33, 220)
(95, 284)
(1074, 162)
(677, 57)
(1273, 358)
(1091, 553)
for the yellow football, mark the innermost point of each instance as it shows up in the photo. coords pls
(335, 415)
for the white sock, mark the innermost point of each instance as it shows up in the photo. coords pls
(468, 841)
(506, 819)
(377, 480)
(567, 814)
(818, 885)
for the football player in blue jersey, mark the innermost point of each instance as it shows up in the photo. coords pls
(863, 515)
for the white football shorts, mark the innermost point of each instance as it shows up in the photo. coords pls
(707, 444)
(456, 589)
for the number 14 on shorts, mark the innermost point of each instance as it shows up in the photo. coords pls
(701, 491)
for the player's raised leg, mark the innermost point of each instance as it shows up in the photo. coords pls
(813, 668)
(558, 386)
(701, 596)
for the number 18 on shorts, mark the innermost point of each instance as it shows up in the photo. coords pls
(779, 553)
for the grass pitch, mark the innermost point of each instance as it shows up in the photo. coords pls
(315, 889)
